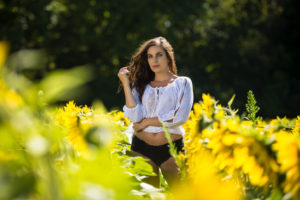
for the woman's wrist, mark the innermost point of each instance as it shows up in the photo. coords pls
(151, 122)
(125, 82)
(126, 86)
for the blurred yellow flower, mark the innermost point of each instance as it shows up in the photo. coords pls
(203, 183)
(296, 130)
(241, 154)
(13, 99)
(9, 97)
(5, 157)
(197, 110)
(220, 114)
(287, 147)
(4, 49)
(69, 118)
(86, 110)
(208, 105)
(119, 117)
(231, 141)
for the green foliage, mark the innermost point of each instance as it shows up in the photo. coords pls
(251, 107)
(213, 42)
(230, 101)
(38, 159)
(173, 152)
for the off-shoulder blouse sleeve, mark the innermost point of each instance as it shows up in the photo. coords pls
(135, 114)
(180, 114)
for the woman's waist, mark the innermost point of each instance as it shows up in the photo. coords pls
(156, 139)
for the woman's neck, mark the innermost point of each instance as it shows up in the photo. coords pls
(163, 76)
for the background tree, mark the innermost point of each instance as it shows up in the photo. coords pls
(227, 47)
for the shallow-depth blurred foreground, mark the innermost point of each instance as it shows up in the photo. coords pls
(83, 152)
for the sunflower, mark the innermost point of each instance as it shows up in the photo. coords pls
(287, 147)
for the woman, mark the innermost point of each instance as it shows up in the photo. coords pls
(157, 96)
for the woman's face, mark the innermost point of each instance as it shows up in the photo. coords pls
(157, 59)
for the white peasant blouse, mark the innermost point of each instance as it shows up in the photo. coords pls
(169, 103)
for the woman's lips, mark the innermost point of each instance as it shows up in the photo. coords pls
(155, 66)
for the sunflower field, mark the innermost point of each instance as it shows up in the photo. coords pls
(80, 152)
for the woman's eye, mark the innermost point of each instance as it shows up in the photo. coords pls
(149, 56)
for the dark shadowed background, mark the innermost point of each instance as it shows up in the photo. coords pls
(226, 47)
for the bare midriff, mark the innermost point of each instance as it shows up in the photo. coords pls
(156, 139)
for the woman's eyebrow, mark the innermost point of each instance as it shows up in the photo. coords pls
(156, 53)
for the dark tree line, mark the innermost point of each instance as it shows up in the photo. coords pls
(226, 47)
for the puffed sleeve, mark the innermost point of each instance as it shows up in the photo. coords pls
(180, 114)
(135, 114)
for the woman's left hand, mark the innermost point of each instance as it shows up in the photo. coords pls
(138, 126)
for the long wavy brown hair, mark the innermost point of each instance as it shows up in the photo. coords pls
(141, 74)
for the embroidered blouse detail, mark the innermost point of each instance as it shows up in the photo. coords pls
(171, 104)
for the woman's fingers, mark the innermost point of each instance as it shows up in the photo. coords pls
(136, 127)
(124, 74)
(124, 70)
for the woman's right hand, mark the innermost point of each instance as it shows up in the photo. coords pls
(124, 75)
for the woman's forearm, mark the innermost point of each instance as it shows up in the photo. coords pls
(130, 101)
(152, 121)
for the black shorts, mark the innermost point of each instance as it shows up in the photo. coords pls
(158, 154)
